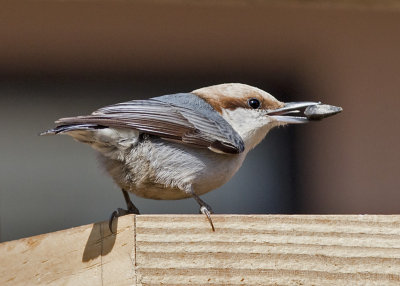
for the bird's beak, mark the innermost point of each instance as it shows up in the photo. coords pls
(292, 112)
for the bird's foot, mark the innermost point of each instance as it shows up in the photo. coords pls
(204, 209)
(121, 212)
(207, 211)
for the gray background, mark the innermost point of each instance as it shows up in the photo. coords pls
(68, 58)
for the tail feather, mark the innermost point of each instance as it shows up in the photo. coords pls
(111, 142)
(72, 127)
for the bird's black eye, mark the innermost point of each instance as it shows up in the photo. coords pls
(253, 103)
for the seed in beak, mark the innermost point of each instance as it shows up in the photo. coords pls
(320, 111)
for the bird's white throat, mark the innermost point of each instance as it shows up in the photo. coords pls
(251, 125)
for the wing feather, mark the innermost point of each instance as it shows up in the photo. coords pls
(165, 120)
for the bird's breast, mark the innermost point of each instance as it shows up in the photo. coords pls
(159, 169)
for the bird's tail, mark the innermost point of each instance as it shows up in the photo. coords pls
(72, 127)
(110, 142)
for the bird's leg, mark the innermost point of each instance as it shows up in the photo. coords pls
(131, 209)
(204, 208)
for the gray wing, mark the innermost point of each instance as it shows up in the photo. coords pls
(186, 121)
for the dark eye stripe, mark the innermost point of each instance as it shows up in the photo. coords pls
(253, 103)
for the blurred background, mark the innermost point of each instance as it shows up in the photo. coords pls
(66, 58)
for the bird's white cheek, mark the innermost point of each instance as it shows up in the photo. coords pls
(251, 125)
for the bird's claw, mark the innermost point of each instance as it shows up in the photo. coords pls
(207, 212)
(120, 212)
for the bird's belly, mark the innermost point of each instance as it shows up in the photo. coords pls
(217, 174)
(169, 171)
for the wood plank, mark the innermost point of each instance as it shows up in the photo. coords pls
(85, 255)
(182, 250)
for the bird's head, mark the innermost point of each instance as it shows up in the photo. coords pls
(252, 112)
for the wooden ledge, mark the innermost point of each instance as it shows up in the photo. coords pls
(182, 250)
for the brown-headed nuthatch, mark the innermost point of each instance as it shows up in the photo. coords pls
(186, 144)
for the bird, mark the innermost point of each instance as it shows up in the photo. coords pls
(182, 145)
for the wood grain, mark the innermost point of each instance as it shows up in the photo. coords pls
(182, 250)
(86, 255)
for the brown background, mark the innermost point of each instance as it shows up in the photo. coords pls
(61, 58)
